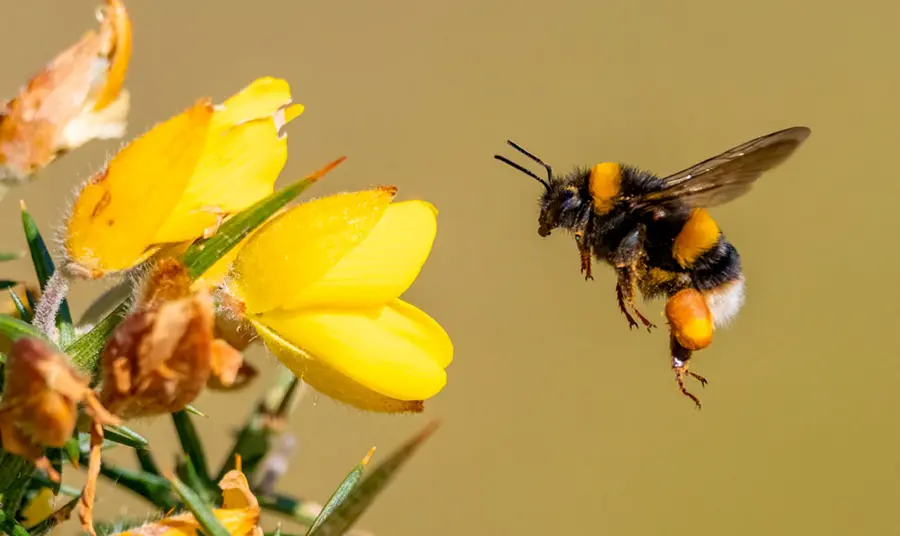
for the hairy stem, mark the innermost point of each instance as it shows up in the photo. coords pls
(51, 299)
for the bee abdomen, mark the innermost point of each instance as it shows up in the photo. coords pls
(717, 275)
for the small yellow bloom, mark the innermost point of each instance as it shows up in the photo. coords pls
(39, 508)
(239, 514)
(179, 180)
(321, 283)
(77, 97)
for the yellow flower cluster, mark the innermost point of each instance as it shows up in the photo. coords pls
(320, 282)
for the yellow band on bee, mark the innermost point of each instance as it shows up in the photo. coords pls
(605, 183)
(698, 235)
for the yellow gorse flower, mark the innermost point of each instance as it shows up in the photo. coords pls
(239, 514)
(321, 284)
(179, 180)
(39, 508)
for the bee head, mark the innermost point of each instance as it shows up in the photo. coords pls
(550, 199)
(561, 203)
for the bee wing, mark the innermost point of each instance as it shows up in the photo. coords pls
(727, 176)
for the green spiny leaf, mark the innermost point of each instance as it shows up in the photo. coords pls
(23, 311)
(85, 352)
(124, 436)
(146, 461)
(154, 488)
(347, 512)
(12, 328)
(40, 480)
(201, 256)
(72, 449)
(186, 471)
(192, 446)
(17, 486)
(44, 268)
(194, 411)
(32, 299)
(341, 493)
(202, 512)
(9, 525)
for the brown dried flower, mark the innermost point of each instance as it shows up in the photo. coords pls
(77, 97)
(162, 355)
(40, 398)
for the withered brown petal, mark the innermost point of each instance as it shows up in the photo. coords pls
(167, 280)
(69, 101)
(39, 405)
(159, 358)
(229, 370)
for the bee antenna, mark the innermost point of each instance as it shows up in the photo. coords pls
(531, 156)
(523, 170)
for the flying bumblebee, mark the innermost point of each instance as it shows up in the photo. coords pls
(657, 235)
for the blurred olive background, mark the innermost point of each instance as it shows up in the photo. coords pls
(557, 418)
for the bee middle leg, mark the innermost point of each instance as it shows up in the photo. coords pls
(625, 259)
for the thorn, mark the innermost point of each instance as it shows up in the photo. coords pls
(322, 172)
(368, 456)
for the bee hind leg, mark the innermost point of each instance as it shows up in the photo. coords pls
(680, 359)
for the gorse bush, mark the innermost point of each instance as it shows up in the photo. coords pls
(208, 258)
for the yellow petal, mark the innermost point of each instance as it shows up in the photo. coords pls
(331, 383)
(396, 350)
(243, 157)
(259, 99)
(291, 113)
(119, 211)
(297, 248)
(380, 268)
(38, 508)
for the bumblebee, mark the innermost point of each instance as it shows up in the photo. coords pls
(657, 235)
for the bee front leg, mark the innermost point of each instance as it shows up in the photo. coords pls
(585, 252)
(625, 259)
(584, 249)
